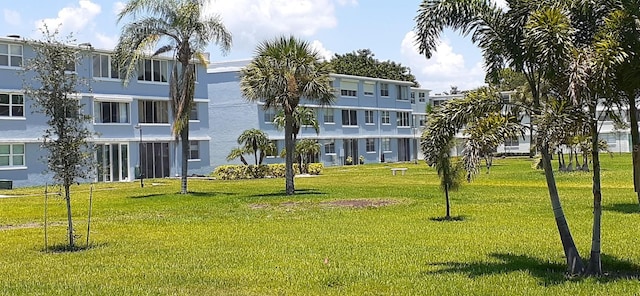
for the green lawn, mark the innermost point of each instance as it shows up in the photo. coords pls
(247, 238)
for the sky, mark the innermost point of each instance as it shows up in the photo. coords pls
(331, 26)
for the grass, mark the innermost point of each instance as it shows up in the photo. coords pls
(351, 231)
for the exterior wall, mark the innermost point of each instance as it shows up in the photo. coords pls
(231, 114)
(28, 129)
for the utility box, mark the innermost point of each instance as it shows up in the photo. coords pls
(6, 184)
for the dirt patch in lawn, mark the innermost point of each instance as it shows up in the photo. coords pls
(341, 203)
(28, 225)
(359, 203)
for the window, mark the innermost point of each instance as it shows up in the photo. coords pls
(403, 119)
(70, 67)
(413, 97)
(11, 155)
(330, 148)
(103, 67)
(422, 120)
(10, 55)
(348, 88)
(368, 89)
(368, 117)
(384, 117)
(386, 144)
(511, 142)
(400, 93)
(269, 116)
(153, 112)
(111, 112)
(384, 89)
(193, 116)
(328, 116)
(153, 70)
(349, 117)
(12, 105)
(370, 145)
(194, 150)
(421, 97)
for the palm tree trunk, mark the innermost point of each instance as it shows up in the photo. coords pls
(595, 264)
(446, 197)
(289, 144)
(184, 139)
(574, 261)
(67, 197)
(635, 141)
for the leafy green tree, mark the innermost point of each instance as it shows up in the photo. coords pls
(185, 30)
(54, 92)
(363, 63)
(284, 71)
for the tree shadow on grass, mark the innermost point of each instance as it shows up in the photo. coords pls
(624, 208)
(65, 248)
(191, 193)
(283, 193)
(547, 273)
(449, 219)
(209, 194)
(146, 195)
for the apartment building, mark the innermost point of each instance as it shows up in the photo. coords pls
(378, 120)
(132, 124)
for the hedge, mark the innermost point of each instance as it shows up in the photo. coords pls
(237, 172)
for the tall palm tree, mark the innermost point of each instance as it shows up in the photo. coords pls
(284, 71)
(617, 46)
(185, 30)
(532, 37)
(254, 141)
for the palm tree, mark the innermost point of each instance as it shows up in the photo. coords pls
(302, 117)
(532, 37)
(284, 71)
(254, 140)
(306, 149)
(238, 152)
(447, 120)
(185, 28)
(616, 47)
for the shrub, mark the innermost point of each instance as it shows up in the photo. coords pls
(237, 172)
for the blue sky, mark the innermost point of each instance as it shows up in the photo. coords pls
(332, 26)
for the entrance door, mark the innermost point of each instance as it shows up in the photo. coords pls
(350, 150)
(155, 160)
(404, 150)
(113, 162)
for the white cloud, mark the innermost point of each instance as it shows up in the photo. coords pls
(324, 53)
(117, 7)
(444, 69)
(72, 18)
(12, 17)
(251, 22)
(105, 42)
(348, 2)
